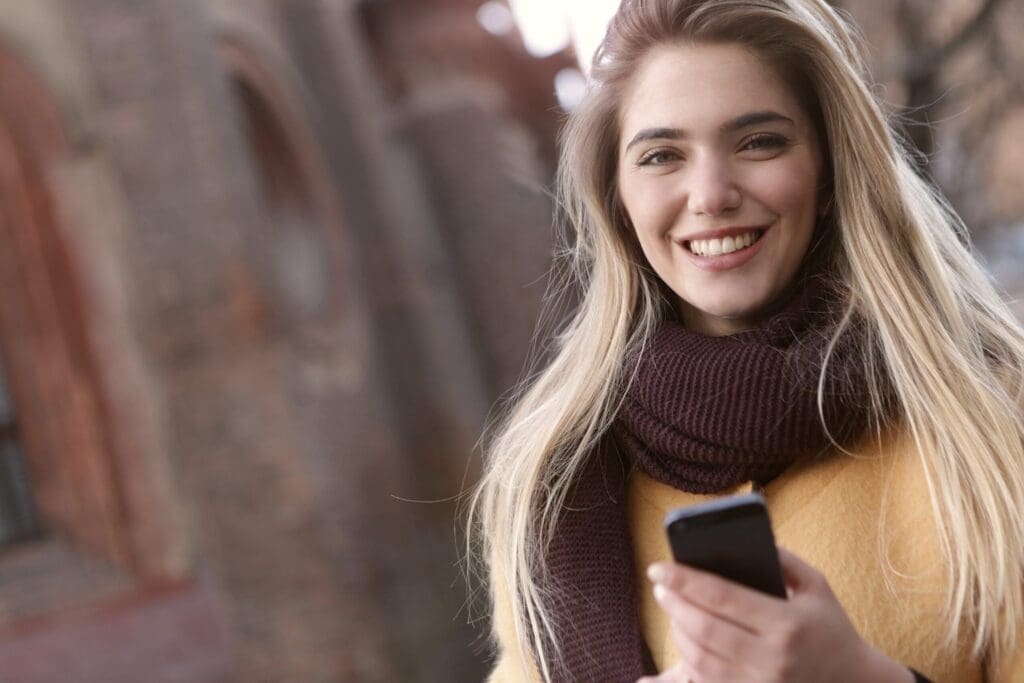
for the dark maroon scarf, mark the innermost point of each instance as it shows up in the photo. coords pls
(703, 415)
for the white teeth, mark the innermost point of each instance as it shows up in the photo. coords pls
(727, 245)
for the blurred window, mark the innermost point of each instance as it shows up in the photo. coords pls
(288, 178)
(18, 519)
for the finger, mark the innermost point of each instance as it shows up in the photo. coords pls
(712, 632)
(677, 674)
(797, 574)
(697, 663)
(748, 608)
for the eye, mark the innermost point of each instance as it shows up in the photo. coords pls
(764, 142)
(658, 157)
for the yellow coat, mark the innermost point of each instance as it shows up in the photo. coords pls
(828, 512)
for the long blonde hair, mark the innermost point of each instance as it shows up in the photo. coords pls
(935, 326)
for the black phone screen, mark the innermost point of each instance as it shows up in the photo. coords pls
(731, 537)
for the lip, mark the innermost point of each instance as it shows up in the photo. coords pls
(721, 262)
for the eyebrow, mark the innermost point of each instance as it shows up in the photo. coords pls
(742, 121)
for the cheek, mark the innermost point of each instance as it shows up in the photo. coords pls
(649, 212)
(791, 194)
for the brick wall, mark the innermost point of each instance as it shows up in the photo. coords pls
(301, 332)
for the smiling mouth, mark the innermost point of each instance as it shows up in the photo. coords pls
(723, 245)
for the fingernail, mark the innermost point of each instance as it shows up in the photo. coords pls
(656, 573)
(660, 592)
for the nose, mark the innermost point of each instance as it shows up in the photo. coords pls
(712, 188)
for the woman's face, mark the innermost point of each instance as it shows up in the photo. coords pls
(719, 170)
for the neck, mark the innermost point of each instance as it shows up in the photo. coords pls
(711, 325)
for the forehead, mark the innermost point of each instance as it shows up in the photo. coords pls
(698, 87)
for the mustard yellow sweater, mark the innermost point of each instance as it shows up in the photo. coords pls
(847, 516)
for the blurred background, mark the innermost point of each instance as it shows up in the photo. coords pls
(265, 268)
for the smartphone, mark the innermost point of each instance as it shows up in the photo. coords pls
(731, 537)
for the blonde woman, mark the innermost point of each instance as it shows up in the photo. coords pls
(771, 299)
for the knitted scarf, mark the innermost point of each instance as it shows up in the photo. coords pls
(702, 414)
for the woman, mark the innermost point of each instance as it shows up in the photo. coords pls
(771, 299)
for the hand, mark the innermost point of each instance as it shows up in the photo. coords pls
(728, 633)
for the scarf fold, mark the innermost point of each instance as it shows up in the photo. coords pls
(702, 414)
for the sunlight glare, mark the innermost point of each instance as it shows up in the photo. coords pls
(588, 21)
(549, 26)
(544, 26)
